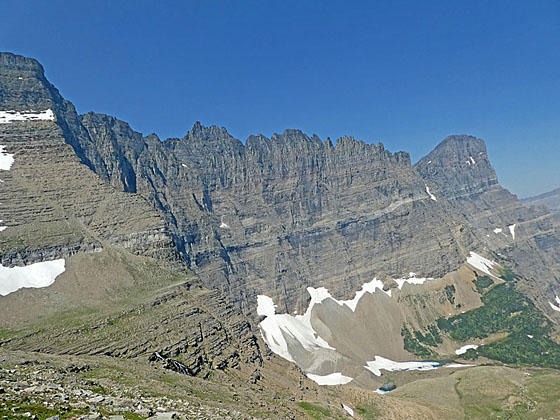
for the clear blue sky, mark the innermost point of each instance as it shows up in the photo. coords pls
(406, 73)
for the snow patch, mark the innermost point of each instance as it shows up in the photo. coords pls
(274, 326)
(183, 165)
(481, 263)
(41, 274)
(6, 159)
(472, 160)
(224, 226)
(11, 116)
(380, 391)
(336, 378)
(366, 288)
(433, 197)
(379, 363)
(412, 279)
(457, 365)
(464, 349)
(265, 306)
(512, 230)
(348, 410)
(529, 335)
(553, 306)
(498, 230)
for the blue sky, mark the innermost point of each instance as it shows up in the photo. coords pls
(406, 73)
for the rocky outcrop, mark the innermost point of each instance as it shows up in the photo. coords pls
(275, 215)
(53, 206)
(529, 237)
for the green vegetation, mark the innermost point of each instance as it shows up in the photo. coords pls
(450, 293)
(314, 411)
(412, 344)
(368, 412)
(505, 310)
(132, 416)
(506, 274)
(17, 409)
(482, 283)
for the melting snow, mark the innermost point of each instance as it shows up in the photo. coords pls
(348, 410)
(433, 197)
(336, 378)
(481, 263)
(553, 306)
(11, 116)
(464, 349)
(380, 391)
(274, 326)
(498, 230)
(379, 363)
(512, 230)
(41, 274)
(412, 279)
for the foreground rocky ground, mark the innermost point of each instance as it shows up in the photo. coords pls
(39, 386)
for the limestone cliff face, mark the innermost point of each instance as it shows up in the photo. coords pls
(275, 215)
(52, 205)
(529, 236)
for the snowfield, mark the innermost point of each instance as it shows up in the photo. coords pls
(11, 116)
(481, 263)
(381, 363)
(6, 159)
(336, 378)
(41, 274)
(464, 349)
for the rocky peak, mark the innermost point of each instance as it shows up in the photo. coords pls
(459, 166)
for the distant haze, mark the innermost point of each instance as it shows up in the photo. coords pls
(406, 73)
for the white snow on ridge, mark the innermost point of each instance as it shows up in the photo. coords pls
(6, 159)
(464, 349)
(412, 279)
(481, 263)
(366, 288)
(512, 230)
(41, 274)
(336, 378)
(379, 363)
(433, 197)
(11, 116)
